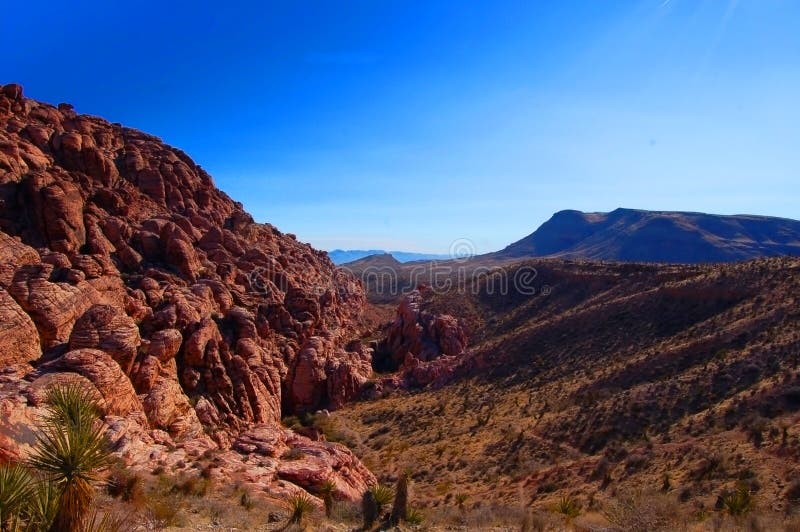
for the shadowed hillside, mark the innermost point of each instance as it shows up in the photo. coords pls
(624, 376)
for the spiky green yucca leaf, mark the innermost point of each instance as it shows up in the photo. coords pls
(326, 491)
(414, 517)
(567, 507)
(383, 495)
(71, 405)
(300, 505)
(739, 502)
(16, 487)
(71, 453)
(43, 506)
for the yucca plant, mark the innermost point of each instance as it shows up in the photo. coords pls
(414, 517)
(383, 495)
(739, 502)
(71, 448)
(568, 507)
(326, 491)
(16, 488)
(300, 505)
(461, 498)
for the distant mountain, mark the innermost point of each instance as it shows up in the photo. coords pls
(341, 256)
(655, 236)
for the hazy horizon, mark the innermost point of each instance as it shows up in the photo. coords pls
(407, 126)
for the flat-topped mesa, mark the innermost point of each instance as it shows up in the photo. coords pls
(112, 240)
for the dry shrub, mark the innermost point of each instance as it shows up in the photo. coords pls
(642, 512)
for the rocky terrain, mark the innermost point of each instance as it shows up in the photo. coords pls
(123, 267)
(652, 236)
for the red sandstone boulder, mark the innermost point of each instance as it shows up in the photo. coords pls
(110, 330)
(104, 373)
(19, 340)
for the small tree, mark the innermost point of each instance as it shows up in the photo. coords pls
(71, 448)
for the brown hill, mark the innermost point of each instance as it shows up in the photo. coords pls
(125, 268)
(605, 379)
(652, 236)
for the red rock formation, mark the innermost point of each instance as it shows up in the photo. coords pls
(418, 335)
(122, 263)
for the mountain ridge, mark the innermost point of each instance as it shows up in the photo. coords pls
(343, 256)
(637, 235)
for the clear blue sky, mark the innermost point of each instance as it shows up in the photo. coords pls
(407, 125)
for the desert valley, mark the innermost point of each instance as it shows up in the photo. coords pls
(632, 370)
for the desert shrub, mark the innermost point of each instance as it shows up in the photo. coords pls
(369, 509)
(326, 492)
(712, 466)
(246, 501)
(124, 485)
(300, 506)
(642, 512)
(164, 512)
(460, 499)
(793, 492)
(635, 463)
(192, 486)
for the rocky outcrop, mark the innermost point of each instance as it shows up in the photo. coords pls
(422, 334)
(121, 264)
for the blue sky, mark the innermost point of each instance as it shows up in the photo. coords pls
(408, 125)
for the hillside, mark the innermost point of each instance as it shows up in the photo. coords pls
(613, 379)
(651, 236)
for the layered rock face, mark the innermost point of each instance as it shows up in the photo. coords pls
(122, 263)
